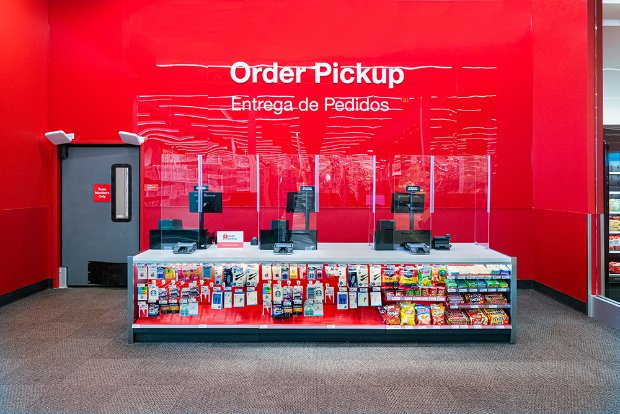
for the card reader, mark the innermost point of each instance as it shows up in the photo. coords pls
(417, 248)
(283, 248)
(184, 248)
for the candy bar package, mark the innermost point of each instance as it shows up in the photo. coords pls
(251, 272)
(276, 272)
(375, 275)
(474, 298)
(495, 299)
(293, 272)
(352, 277)
(266, 271)
(437, 314)
(423, 314)
(391, 314)
(497, 316)
(476, 317)
(407, 314)
(456, 317)
(362, 276)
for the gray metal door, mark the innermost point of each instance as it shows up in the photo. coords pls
(100, 213)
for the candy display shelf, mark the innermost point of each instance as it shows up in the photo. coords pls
(348, 306)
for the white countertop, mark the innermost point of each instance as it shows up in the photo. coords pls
(360, 253)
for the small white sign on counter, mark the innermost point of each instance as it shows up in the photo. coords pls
(230, 239)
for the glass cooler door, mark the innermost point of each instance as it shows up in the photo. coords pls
(612, 213)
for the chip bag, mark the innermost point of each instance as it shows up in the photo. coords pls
(437, 314)
(407, 314)
(423, 314)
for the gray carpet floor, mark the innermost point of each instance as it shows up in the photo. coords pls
(66, 351)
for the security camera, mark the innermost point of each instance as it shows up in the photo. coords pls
(131, 138)
(59, 137)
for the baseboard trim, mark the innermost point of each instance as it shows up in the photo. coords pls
(554, 294)
(25, 291)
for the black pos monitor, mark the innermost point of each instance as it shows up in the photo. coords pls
(303, 201)
(416, 241)
(204, 202)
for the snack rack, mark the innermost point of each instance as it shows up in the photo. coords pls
(364, 323)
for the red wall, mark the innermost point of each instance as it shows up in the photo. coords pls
(26, 157)
(523, 65)
(563, 153)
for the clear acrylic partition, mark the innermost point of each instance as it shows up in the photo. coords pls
(235, 176)
(280, 178)
(178, 174)
(393, 175)
(460, 202)
(346, 195)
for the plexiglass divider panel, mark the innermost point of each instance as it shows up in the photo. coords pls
(288, 200)
(346, 195)
(234, 179)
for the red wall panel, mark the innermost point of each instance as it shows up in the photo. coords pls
(511, 81)
(26, 158)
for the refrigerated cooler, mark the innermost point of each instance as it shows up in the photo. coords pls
(612, 212)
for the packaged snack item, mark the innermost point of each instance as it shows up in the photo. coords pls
(474, 298)
(497, 316)
(502, 284)
(423, 314)
(455, 317)
(389, 275)
(451, 284)
(492, 283)
(407, 314)
(495, 299)
(476, 317)
(390, 314)
(424, 276)
(454, 298)
(480, 283)
(437, 314)
(407, 278)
